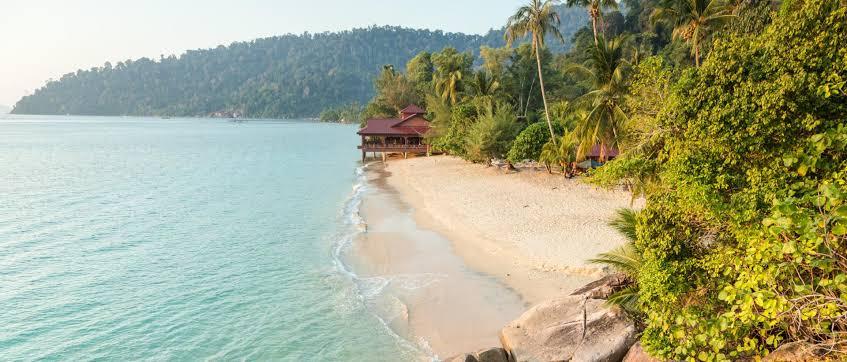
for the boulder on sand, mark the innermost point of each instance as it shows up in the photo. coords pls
(637, 354)
(570, 328)
(493, 354)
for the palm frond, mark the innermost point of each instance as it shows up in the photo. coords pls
(623, 258)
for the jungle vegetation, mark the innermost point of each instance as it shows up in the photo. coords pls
(731, 121)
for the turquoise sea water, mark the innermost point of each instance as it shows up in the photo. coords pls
(149, 239)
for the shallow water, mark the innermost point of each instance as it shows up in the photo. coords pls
(183, 239)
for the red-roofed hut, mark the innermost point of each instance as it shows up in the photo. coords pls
(396, 135)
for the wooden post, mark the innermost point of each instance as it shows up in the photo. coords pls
(383, 157)
(405, 155)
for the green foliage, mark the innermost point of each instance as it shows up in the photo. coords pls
(694, 21)
(394, 91)
(743, 236)
(492, 134)
(419, 69)
(606, 71)
(351, 113)
(285, 76)
(530, 141)
(562, 153)
(452, 124)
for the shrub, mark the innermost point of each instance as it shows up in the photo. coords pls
(531, 140)
(492, 134)
(743, 240)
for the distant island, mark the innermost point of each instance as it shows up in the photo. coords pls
(279, 77)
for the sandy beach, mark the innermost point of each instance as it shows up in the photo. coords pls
(454, 251)
(533, 231)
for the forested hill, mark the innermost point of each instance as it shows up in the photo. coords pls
(278, 77)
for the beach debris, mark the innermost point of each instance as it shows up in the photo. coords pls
(569, 328)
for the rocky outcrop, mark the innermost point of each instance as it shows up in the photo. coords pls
(571, 328)
(604, 287)
(637, 354)
(494, 354)
(794, 352)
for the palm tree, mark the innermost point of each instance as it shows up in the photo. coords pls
(537, 19)
(693, 20)
(625, 259)
(605, 121)
(448, 86)
(483, 84)
(595, 8)
(563, 154)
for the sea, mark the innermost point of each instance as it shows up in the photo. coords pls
(184, 239)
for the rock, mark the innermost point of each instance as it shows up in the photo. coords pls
(801, 351)
(603, 287)
(637, 354)
(569, 328)
(462, 358)
(494, 354)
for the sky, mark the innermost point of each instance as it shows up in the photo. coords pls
(44, 39)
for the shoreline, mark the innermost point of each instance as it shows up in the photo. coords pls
(449, 280)
(411, 278)
(532, 231)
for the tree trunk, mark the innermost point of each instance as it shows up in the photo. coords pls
(696, 53)
(594, 26)
(543, 93)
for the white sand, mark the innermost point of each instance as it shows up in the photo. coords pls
(532, 230)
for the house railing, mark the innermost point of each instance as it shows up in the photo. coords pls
(390, 147)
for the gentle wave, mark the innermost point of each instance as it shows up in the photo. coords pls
(368, 288)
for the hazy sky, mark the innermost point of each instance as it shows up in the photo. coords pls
(42, 39)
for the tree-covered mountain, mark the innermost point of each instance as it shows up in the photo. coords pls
(277, 77)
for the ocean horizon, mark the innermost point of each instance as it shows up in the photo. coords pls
(138, 238)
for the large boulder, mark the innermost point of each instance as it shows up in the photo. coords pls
(466, 357)
(637, 354)
(493, 354)
(570, 328)
(604, 287)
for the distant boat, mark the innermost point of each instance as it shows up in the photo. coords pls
(166, 117)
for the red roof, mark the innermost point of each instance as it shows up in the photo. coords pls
(611, 152)
(413, 109)
(391, 126)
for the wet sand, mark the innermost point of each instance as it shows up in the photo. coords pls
(418, 284)
(455, 251)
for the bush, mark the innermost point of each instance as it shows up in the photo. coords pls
(492, 134)
(743, 241)
(531, 140)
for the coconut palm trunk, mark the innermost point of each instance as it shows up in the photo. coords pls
(543, 92)
(592, 12)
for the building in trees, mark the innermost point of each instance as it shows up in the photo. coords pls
(396, 135)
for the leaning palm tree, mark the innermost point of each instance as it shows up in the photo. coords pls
(693, 20)
(536, 19)
(595, 10)
(605, 121)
